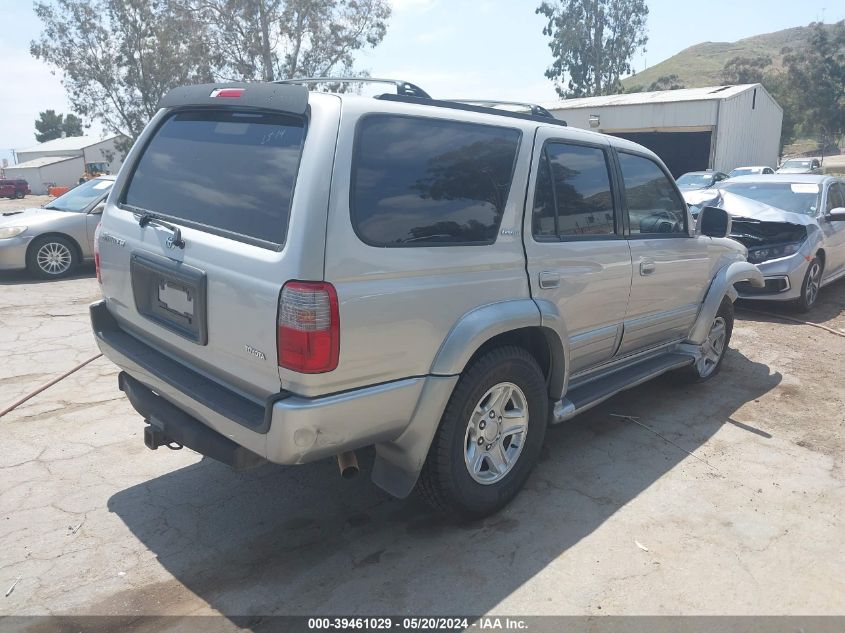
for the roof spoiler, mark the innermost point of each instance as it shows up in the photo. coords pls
(267, 96)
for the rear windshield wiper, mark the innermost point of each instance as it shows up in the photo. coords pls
(148, 218)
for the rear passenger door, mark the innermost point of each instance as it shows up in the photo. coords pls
(670, 265)
(578, 257)
(834, 232)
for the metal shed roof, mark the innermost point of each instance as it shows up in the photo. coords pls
(67, 144)
(660, 96)
(41, 162)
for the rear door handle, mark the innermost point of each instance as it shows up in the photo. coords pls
(647, 268)
(549, 279)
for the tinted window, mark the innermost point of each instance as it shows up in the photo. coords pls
(653, 204)
(797, 197)
(418, 182)
(231, 171)
(82, 196)
(573, 195)
(835, 197)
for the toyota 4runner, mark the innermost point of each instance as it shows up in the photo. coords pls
(291, 275)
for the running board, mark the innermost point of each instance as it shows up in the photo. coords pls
(588, 394)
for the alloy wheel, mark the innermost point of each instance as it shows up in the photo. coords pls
(712, 348)
(54, 258)
(496, 432)
(813, 283)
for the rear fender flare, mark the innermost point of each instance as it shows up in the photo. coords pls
(399, 462)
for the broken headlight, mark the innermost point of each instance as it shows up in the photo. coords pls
(765, 253)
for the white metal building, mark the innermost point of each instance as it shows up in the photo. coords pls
(720, 127)
(62, 161)
(41, 173)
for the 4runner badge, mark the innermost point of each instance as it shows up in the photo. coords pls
(255, 352)
(108, 237)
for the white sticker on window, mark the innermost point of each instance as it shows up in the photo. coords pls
(105, 184)
(804, 187)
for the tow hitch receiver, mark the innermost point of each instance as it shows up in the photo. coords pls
(155, 437)
(169, 426)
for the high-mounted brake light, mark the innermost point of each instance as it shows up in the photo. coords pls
(97, 251)
(228, 93)
(308, 336)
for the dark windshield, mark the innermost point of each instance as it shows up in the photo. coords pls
(230, 171)
(789, 196)
(80, 197)
(695, 180)
(743, 171)
(797, 164)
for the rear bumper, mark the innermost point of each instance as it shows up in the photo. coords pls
(285, 429)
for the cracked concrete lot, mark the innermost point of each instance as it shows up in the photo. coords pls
(614, 520)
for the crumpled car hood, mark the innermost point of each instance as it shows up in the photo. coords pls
(758, 224)
(741, 207)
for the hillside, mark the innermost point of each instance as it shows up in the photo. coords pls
(700, 65)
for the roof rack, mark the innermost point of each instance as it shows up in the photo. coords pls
(405, 88)
(533, 108)
(470, 106)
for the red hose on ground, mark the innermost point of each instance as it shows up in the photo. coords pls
(15, 405)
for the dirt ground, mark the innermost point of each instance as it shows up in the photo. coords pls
(731, 502)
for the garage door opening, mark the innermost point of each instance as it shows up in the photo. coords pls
(681, 151)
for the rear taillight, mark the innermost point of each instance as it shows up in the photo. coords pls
(308, 338)
(97, 251)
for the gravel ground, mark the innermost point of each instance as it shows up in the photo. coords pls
(732, 502)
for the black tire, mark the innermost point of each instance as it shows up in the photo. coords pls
(811, 286)
(19, 195)
(445, 482)
(69, 257)
(701, 371)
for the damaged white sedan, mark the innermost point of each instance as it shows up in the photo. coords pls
(794, 229)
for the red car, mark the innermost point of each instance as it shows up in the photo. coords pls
(14, 188)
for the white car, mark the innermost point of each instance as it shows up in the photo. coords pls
(800, 166)
(750, 171)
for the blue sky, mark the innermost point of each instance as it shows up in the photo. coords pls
(451, 48)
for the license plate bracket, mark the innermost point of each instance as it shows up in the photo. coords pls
(172, 294)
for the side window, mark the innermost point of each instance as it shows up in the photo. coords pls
(835, 197)
(654, 207)
(573, 196)
(422, 182)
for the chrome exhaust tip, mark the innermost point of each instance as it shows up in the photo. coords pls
(347, 462)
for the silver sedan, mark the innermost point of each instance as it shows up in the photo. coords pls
(51, 241)
(794, 228)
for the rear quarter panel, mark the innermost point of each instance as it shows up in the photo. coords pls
(397, 305)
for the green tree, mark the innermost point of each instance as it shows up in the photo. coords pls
(119, 57)
(278, 39)
(50, 125)
(746, 70)
(666, 82)
(592, 42)
(815, 77)
(72, 125)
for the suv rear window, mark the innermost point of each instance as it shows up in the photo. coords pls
(429, 182)
(227, 172)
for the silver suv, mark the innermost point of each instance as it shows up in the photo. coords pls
(292, 275)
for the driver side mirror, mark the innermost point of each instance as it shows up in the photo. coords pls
(98, 210)
(713, 222)
(836, 215)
